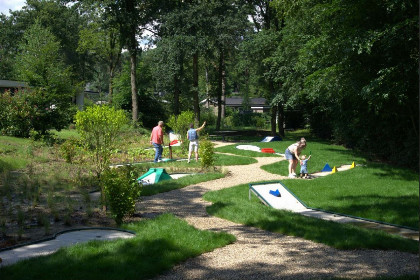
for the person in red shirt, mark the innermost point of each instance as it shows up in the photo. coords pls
(156, 139)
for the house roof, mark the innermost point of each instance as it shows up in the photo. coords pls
(257, 102)
(11, 84)
(253, 102)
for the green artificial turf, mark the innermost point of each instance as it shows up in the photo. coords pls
(158, 246)
(233, 204)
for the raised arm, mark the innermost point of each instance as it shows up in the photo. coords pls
(201, 127)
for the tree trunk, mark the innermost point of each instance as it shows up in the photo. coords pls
(110, 87)
(219, 91)
(195, 90)
(133, 60)
(177, 92)
(112, 63)
(223, 90)
(273, 120)
(281, 119)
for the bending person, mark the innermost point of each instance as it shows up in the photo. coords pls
(292, 155)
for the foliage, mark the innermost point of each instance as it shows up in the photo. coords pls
(181, 123)
(354, 67)
(99, 127)
(61, 19)
(32, 110)
(47, 104)
(122, 191)
(150, 109)
(69, 149)
(206, 153)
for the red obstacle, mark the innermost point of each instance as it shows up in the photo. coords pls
(268, 150)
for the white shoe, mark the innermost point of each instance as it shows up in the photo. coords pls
(291, 175)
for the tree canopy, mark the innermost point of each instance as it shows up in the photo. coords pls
(348, 69)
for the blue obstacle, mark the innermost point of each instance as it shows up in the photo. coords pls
(275, 193)
(327, 168)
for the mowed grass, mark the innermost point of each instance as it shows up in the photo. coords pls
(159, 244)
(233, 204)
(375, 191)
(231, 149)
(321, 152)
(169, 185)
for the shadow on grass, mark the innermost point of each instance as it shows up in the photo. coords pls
(340, 236)
(158, 246)
(387, 171)
(120, 260)
(395, 210)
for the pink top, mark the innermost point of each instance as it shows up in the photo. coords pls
(157, 135)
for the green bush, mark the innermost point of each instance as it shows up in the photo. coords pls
(122, 190)
(208, 115)
(206, 153)
(99, 127)
(69, 149)
(180, 124)
(31, 110)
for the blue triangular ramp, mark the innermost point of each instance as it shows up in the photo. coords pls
(275, 193)
(271, 139)
(327, 168)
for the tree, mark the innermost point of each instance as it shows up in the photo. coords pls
(101, 38)
(132, 17)
(40, 65)
(99, 127)
(227, 21)
(352, 66)
(150, 109)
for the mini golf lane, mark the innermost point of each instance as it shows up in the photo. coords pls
(289, 202)
(61, 240)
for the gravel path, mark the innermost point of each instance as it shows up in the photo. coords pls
(259, 254)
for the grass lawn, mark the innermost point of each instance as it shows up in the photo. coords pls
(371, 190)
(169, 185)
(159, 244)
(375, 191)
(233, 204)
(231, 149)
(16, 153)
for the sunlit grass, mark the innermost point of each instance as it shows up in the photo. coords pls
(375, 191)
(233, 204)
(159, 245)
(169, 185)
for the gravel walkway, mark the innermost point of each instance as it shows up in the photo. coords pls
(259, 254)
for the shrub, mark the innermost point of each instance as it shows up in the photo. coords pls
(69, 149)
(121, 190)
(99, 127)
(180, 124)
(206, 153)
(32, 110)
